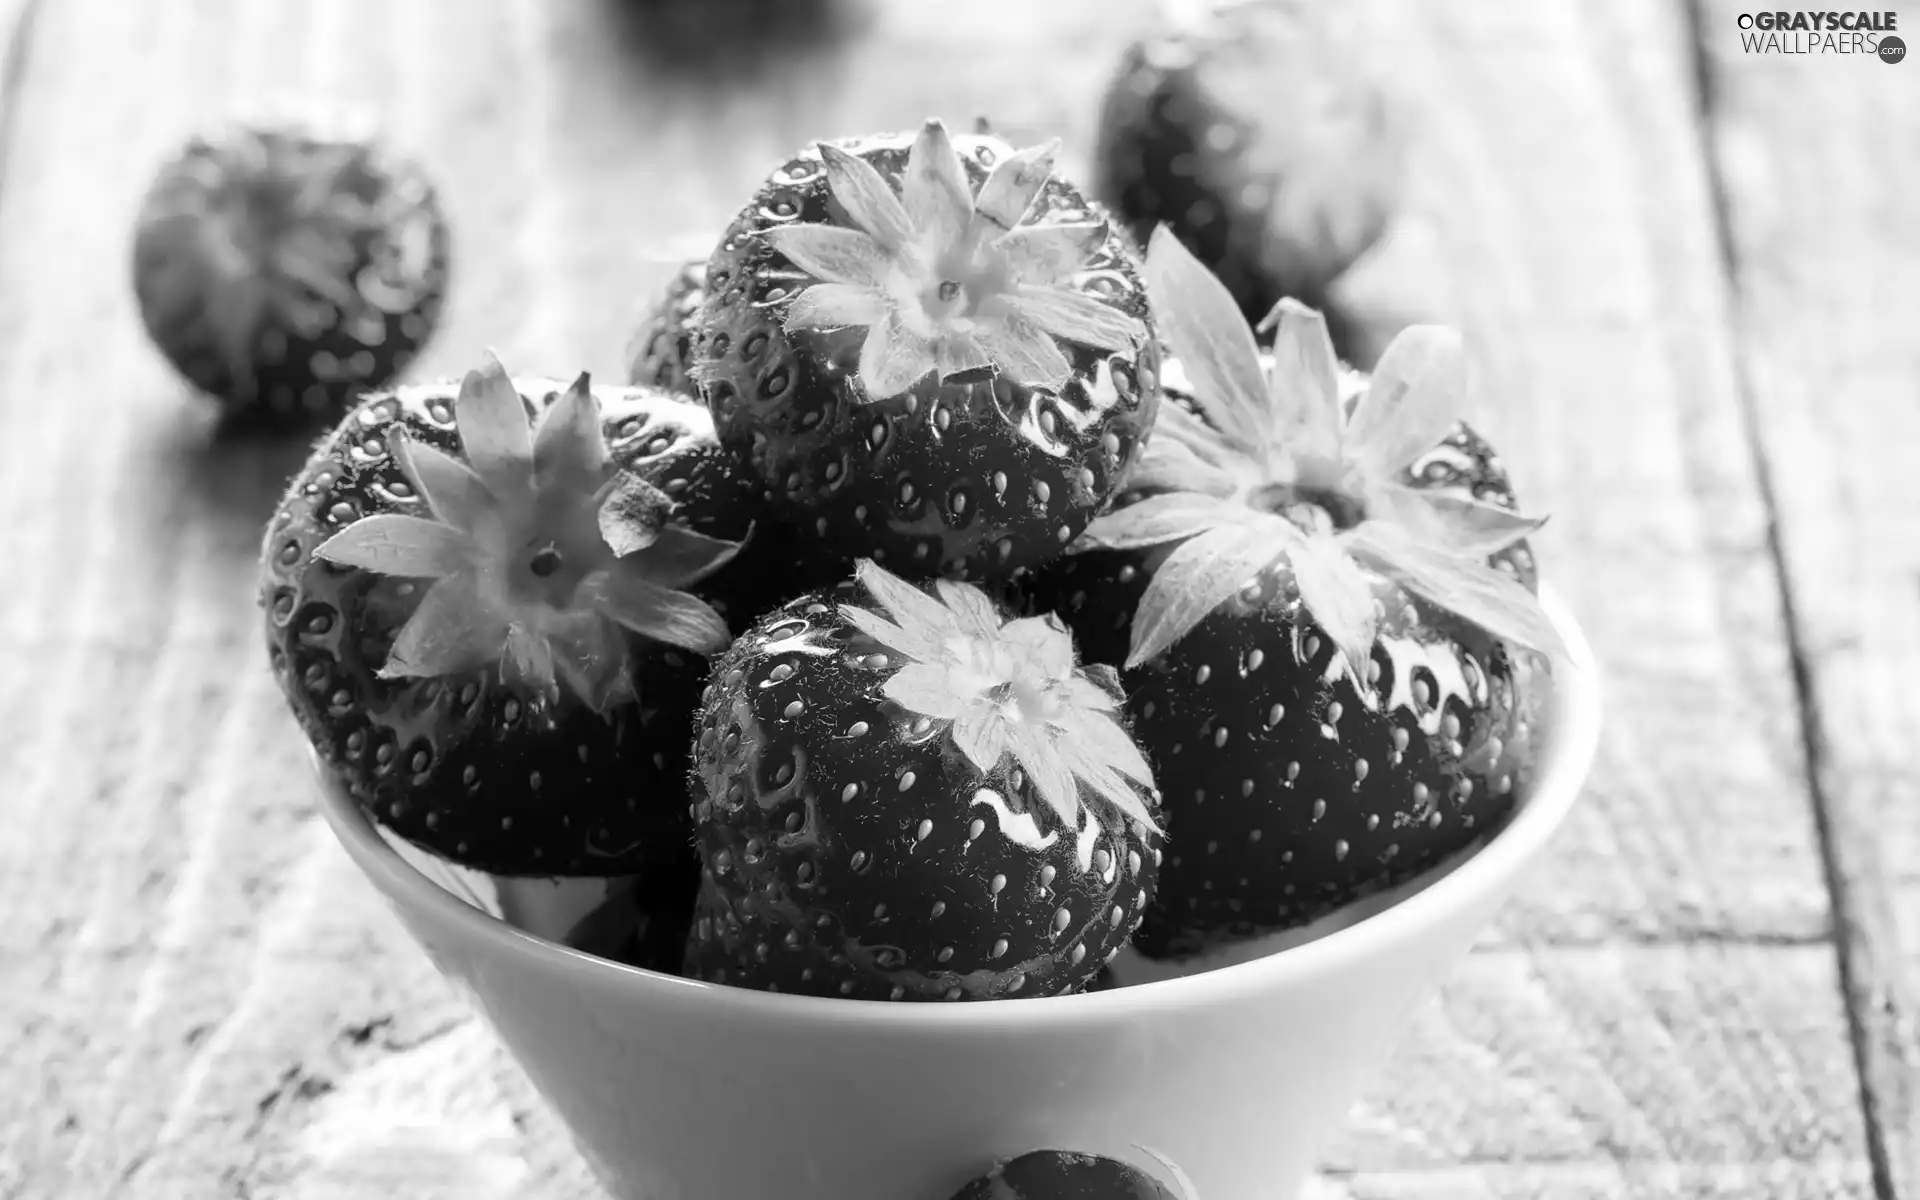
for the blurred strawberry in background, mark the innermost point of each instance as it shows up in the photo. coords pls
(1259, 132)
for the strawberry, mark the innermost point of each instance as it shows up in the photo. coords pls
(644, 920)
(950, 379)
(661, 351)
(285, 272)
(906, 796)
(669, 439)
(1256, 135)
(476, 607)
(1065, 1175)
(773, 567)
(1335, 649)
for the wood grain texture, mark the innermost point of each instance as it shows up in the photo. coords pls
(1682, 1058)
(1558, 212)
(190, 967)
(1781, 1180)
(16, 37)
(209, 1002)
(1568, 222)
(1818, 160)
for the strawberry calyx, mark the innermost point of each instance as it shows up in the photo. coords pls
(947, 280)
(1008, 688)
(543, 555)
(1279, 468)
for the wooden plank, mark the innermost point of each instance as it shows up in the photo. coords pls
(1712, 1060)
(165, 875)
(1816, 161)
(189, 964)
(1783, 1180)
(1558, 213)
(16, 40)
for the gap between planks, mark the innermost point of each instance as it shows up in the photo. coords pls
(1875, 979)
(16, 39)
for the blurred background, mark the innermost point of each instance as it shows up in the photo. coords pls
(1686, 274)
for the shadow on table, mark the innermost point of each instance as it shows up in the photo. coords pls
(233, 471)
(725, 42)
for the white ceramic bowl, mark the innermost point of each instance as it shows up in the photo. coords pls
(676, 1090)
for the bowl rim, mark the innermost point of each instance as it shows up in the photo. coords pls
(1573, 739)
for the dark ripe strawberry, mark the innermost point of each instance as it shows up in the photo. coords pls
(476, 605)
(906, 796)
(1097, 592)
(661, 351)
(1254, 132)
(950, 378)
(1065, 1175)
(776, 564)
(669, 439)
(1301, 792)
(285, 272)
(1285, 533)
(644, 920)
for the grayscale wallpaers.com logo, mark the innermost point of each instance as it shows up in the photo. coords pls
(1869, 34)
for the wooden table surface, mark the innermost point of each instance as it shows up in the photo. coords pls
(1690, 279)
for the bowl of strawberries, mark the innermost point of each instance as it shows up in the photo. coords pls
(967, 719)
